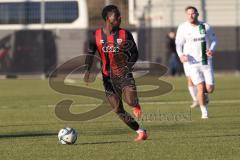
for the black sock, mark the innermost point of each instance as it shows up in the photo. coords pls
(128, 120)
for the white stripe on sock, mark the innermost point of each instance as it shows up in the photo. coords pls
(139, 130)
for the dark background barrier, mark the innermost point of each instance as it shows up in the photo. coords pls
(28, 51)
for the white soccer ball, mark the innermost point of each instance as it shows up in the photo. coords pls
(67, 136)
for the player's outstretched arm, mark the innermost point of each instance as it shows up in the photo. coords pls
(180, 40)
(213, 41)
(92, 48)
(132, 51)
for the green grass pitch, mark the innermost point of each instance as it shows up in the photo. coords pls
(29, 126)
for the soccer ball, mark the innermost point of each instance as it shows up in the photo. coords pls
(67, 136)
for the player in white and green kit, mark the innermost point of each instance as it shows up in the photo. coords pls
(195, 43)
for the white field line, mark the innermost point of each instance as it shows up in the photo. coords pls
(143, 103)
(159, 103)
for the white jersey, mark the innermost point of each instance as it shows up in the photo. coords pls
(193, 41)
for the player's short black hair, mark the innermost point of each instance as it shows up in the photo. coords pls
(191, 7)
(109, 8)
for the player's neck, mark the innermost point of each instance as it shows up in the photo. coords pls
(108, 29)
(195, 23)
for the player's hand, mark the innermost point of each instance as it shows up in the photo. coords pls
(209, 53)
(184, 58)
(130, 66)
(89, 77)
(86, 78)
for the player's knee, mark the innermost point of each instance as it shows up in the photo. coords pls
(190, 83)
(210, 89)
(131, 102)
(117, 110)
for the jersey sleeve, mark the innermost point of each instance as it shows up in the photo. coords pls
(92, 48)
(180, 40)
(132, 51)
(212, 38)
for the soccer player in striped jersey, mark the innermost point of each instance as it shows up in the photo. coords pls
(118, 53)
(196, 43)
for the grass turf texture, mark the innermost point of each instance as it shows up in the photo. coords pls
(29, 127)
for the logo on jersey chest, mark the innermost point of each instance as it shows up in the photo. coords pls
(119, 41)
(202, 39)
(111, 46)
(114, 49)
(202, 31)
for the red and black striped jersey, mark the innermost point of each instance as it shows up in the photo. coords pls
(118, 51)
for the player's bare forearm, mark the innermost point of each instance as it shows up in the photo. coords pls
(183, 58)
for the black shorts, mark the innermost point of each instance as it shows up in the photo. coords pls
(116, 84)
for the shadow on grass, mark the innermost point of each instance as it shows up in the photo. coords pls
(26, 125)
(219, 136)
(104, 142)
(110, 142)
(21, 135)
